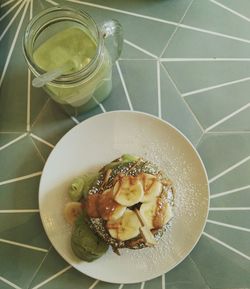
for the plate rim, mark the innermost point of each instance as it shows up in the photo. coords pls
(135, 112)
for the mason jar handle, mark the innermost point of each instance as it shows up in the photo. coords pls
(112, 33)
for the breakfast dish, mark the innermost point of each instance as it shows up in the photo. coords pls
(99, 140)
(127, 204)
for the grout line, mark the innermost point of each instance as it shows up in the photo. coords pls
(94, 284)
(14, 39)
(52, 2)
(120, 286)
(9, 283)
(226, 245)
(203, 59)
(18, 211)
(229, 132)
(52, 277)
(229, 209)
(163, 286)
(229, 192)
(213, 33)
(230, 10)
(7, 3)
(137, 59)
(161, 20)
(10, 23)
(124, 86)
(215, 86)
(21, 178)
(38, 151)
(75, 120)
(142, 285)
(100, 105)
(8, 12)
(13, 141)
(39, 267)
(227, 117)
(23, 245)
(140, 48)
(177, 27)
(187, 105)
(159, 89)
(28, 101)
(199, 140)
(42, 140)
(229, 169)
(228, 225)
(29, 80)
(41, 111)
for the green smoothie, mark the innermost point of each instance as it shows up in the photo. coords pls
(73, 48)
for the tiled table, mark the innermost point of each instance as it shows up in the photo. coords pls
(191, 59)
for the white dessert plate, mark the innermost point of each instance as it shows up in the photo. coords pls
(99, 140)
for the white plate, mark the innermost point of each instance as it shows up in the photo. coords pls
(97, 141)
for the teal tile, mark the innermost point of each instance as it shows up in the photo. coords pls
(237, 199)
(25, 228)
(5, 138)
(44, 150)
(142, 89)
(212, 106)
(153, 35)
(173, 106)
(96, 110)
(169, 10)
(38, 100)
(117, 99)
(52, 123)
(40, 5)
(18, 264)
(65, 281)
(52, 264)
(219, 266)
(242, 6)
(194, 44)
(4, 285)
(129, 52)
(215, 149)
(132, 286)
(232, 237)
(19, 159)
(185, 276)
(191, 76)
(5, 21)
(105, 285)
(237, 218)
(155, 283)
(13, 100)
(239, 122)
(239, 177)
(206, 15)
(20, 195)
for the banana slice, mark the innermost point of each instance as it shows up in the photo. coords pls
(147, 212)
(125, 228)
(156, 213)
(71, 211)
(117, 213)
(151, 186)
(128, 191)
(108, 208)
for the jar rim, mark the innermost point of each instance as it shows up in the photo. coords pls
(73, 77)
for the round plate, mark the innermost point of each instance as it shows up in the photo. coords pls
(99, 140)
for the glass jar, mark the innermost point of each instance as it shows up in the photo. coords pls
(87, 76)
